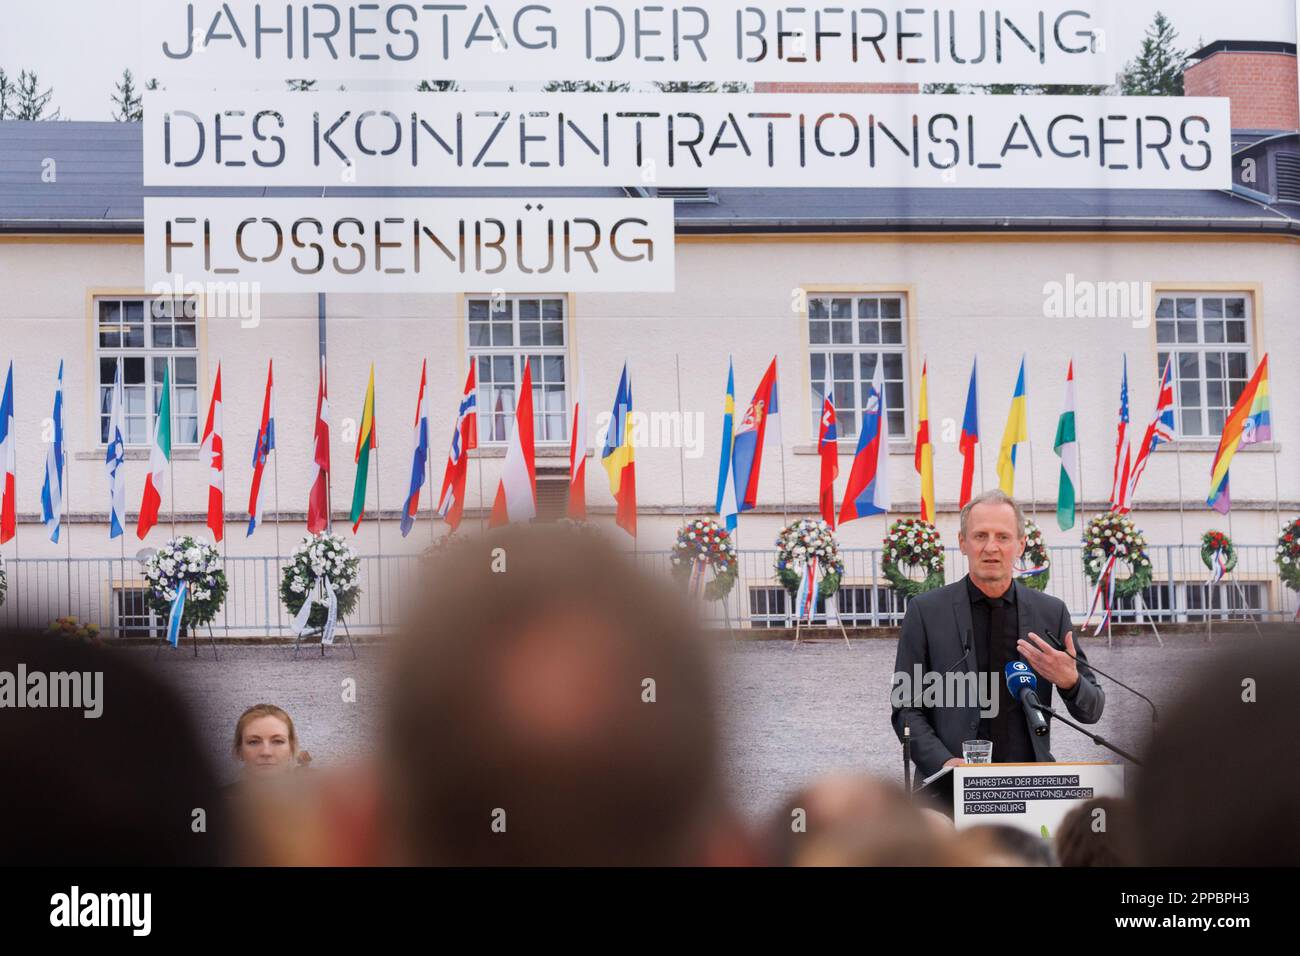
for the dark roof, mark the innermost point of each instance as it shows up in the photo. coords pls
(1244, 46)
(98, 188)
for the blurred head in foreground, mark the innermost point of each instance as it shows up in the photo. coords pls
(1220, 780)
(265, 741)
(549, 704)
(121, 788)
(1098, 832)
(1003, 845)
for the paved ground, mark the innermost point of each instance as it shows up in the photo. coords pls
(790, 714)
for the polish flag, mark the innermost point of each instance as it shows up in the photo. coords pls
(516, 499)
(213, 455)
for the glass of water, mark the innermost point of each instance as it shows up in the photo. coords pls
(977, 751)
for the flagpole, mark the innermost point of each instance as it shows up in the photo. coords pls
(780, 434)
(275, 471)
(379, 526)
(681, 445)
(980, 441)
(171, 459)
(433, 502)
(67, 513)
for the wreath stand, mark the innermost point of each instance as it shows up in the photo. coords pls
(798, 623)
(320, 631)
(1209, 612)
(194, 639)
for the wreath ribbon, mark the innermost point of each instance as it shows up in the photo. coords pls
(327, 596)
(1106, 587)
(1032, 572)
(806, 601)
(698, 567)
(1218, 566)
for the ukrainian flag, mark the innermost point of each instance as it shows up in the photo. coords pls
(618, 456)
(1017, 430)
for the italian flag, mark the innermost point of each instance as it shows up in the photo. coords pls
(160, 456)
(1067, 449)
(366, 440)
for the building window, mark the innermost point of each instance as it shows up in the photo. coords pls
(504, 332)
(1209, 338)
(146, 337)
(848, 335)
(767, 607)
(133, 616)
(1191, 601)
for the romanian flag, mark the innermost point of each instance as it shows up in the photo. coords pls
(924, 449)
(1249, 423)
(366, 441)
(1017, 431)
(619, 457)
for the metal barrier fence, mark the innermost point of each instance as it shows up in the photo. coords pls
(110, 592)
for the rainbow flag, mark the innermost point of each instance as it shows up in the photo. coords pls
(366, 440)
(1017, 431)
(1249, 423)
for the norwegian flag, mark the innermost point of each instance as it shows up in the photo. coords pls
(1161, 430)
(212, 454)
(1120, 477)
(451, 500)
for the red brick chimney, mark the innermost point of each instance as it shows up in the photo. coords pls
(1259, 76)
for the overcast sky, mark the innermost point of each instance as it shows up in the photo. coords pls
(80, 47)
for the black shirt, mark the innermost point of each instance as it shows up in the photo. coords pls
(996, 632)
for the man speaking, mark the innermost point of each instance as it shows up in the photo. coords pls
(977, 627)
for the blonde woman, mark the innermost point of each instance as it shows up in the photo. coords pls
(266, 742)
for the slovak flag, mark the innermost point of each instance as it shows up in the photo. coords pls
(262, 451)
(9, 461)
(213, 456)
(868, 490)
(1161, 430)
(751, 435)
(419, 457)
(451, 500)
(828, 446)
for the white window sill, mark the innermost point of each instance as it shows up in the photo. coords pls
(850, 448)
(138, 454)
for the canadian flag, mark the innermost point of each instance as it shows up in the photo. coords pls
(318, 508)
(516, 498)
(213, 455)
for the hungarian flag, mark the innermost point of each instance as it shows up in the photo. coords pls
(1119, 482)
(1161, 430)
(261, 452)
(451, 500)
(619, 456)
(212, 454)
(419, 457)
(367, 441)
(160, 456)
(828, 447)
(318, 507)
(9, 459)
(577, 509)
(1067, 449)
(970, 437)
(924, 458)
(516, 498)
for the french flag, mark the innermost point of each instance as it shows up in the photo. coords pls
(9, 459)
(747, 449)
(419, 457)
(868, 490)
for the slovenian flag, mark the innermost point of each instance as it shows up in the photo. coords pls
(160, 455)
(619, 457)
(868, 489)
(751, 436)
(9, 460)
(1016, 431)
(262, 449)
(1250, 423)
(52, 490)
(419, 457)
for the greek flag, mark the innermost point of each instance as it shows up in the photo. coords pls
(174, 618)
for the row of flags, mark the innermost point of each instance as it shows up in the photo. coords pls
(866, 493)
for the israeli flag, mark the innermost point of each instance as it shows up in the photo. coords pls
(174, 618)
(115, 460)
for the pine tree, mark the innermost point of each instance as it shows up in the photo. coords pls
(730, 86)
(436, 86)
(31, 102)
(7, 94)
(301, 86)
(1158, 70)
(585, 86)
(130, 105)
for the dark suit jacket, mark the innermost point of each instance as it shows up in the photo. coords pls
(934, 629)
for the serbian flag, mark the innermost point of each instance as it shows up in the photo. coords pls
(868, 489)
(828, 447)
(516, 498)
(451, 500)
(160, 456)
(619, 457)
(1249, 423)
(9, 458)
(318, 508)
(367, 441)
(1121, 474)
(747, 450)
(261, 452)
(212, 454)
(970, 436)
(924, 458)
(577, 509)
(1016, 431)
(1161, 430)
(419, 457)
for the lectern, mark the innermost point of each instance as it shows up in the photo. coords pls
(1028, 796)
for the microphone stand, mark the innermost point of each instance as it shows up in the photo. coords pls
(1097, 739)
(1060, 646)
(907, 730)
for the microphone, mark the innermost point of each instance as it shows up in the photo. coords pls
(1023, 686)
(1059, 644)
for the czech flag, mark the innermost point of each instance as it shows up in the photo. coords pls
(747, 450)
(868, 489)
(970, 436)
